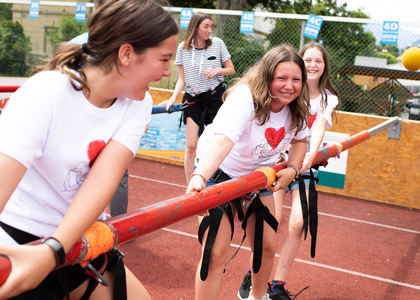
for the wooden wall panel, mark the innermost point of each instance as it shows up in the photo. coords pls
(381, 169)
(160, 95)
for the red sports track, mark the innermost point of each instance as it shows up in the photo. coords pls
(365, 250)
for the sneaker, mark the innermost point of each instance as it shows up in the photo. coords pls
(284, 295)
(265, 297)
(245, 287)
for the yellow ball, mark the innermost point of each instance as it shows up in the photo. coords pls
(411, 59)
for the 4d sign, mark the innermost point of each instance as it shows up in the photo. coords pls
(313, 26)
(390, 33)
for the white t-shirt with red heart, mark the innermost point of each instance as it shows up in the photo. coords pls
(56, 133)
(254, 145)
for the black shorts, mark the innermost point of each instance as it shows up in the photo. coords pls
(54, 285)
(213, 101)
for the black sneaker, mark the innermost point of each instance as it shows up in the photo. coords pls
(284, 295)
(245, 287)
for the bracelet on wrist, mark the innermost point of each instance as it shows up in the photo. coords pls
(195, 174)
(60, 255)
(294, 168)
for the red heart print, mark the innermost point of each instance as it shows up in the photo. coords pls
(93, 150)
(311, 121)
(274, 137)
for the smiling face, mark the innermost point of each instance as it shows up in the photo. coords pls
(149, 67)
(314, 63)
(203, 30)
(286, 85)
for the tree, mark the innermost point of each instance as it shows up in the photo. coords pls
(14, 48)
(245, 50)
(6, 12)
(68, 29)
(393, 49)
(390, 59)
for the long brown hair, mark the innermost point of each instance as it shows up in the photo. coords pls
(143, 24)
(325, 80)
(195, 21)
(259, 79)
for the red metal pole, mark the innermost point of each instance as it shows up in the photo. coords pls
(8, 88)
(333, 149)
(144, 220)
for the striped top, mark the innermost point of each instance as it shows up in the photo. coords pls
(214, 57)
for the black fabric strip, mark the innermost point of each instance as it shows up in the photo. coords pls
(313, 210)
(262, 213)
(117, 267)
(211, 237)
(21, 237)
(258, 239)
(304, 204)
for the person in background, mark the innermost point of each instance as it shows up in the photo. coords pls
(200, 59)
(68, 135)
(324, 101)
(264, 111)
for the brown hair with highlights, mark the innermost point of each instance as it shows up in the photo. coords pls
(195, 21)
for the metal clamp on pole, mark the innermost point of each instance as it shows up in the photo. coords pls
(98, 277)
(250, 201)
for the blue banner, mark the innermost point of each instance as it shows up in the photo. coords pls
(80, 12)
(313, 26)
(34, 10)
(390, 33)
(186, 14)
(247, 22)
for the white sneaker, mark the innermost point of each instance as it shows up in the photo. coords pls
(265, 297)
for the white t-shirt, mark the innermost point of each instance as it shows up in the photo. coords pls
(55, 132)
(255, 145)
(213, 57)
(316, 113)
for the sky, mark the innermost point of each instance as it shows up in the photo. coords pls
(387, 10)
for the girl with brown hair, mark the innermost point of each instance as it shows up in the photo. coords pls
(200, 59)
(323, 103)
(68, 134)
(263, 112)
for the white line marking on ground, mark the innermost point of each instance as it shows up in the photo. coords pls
(154, 180)
(314, 263)
(180, 232)
(371, 223)
(365, 222)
